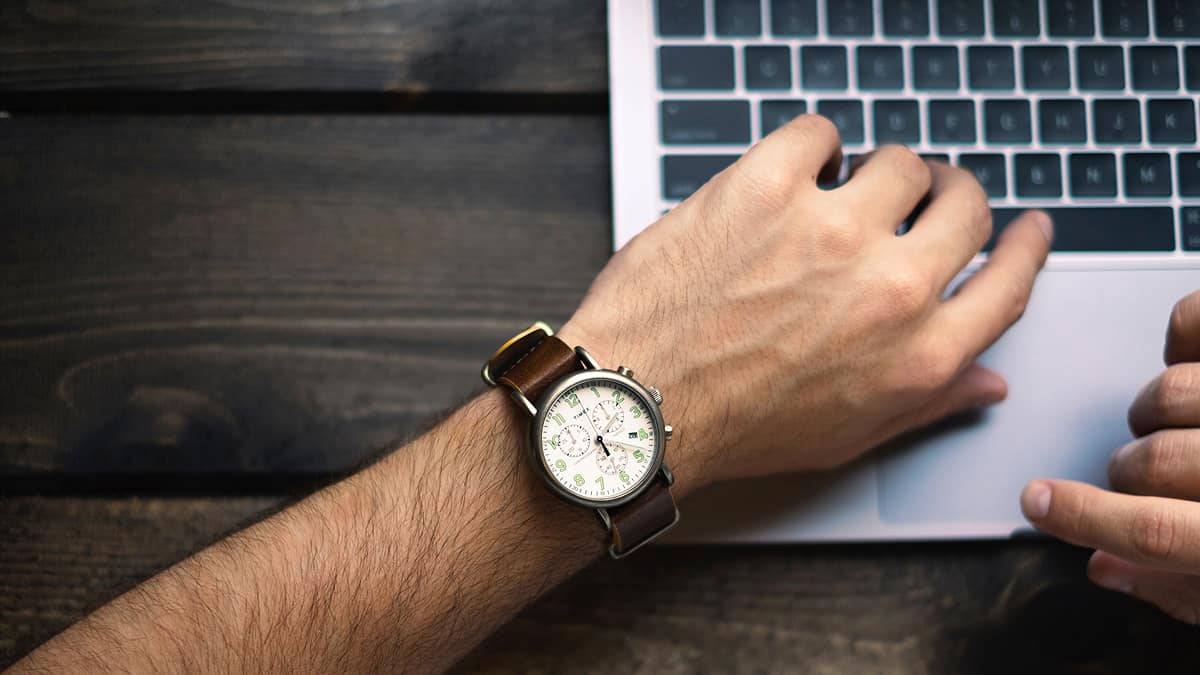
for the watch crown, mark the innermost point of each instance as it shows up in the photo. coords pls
(655, 394)
(668, 431)
(622, 370)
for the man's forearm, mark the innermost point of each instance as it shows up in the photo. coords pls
(404, 566)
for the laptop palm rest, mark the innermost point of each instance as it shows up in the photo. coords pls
(1089, 341)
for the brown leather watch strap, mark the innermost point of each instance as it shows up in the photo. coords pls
(530, 371)
(644, 518)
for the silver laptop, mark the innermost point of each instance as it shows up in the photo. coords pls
(1087, 109)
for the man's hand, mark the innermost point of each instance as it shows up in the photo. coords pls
(1147, 539)
(789, 327)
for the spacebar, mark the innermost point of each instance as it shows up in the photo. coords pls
(1106, 228)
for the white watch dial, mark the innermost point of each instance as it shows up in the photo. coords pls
(598, 440)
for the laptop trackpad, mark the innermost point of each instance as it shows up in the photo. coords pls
(1089, 341)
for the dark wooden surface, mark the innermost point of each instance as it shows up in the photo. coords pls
(202, 314)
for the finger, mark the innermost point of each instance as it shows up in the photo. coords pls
(954, 225)
(1175, 593)
(808, 147)
(1170, 400)
(887, 185)
(1164, 464)
(1157, 531)
(975, 387)
(1183, 331)
(992, 300)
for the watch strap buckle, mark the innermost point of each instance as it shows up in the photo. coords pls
(516, 348)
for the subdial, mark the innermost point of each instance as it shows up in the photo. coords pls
(613, 462)
(573, 441)
(607, 417)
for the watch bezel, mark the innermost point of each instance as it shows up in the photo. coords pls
(558, 389)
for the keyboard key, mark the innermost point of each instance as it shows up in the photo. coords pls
(897, 122)
(960, 18)
(990, 68)
(935, 157)
(952, 121)
(935, 67)
(824, 67)
(880, 68)
(988, 170)
(1177, 18)
(684, 174)
(1155, 68)
(1103, 228)
(1147, 174)
(774, 114)
(1015, 18)
(768, 67)
(1124, 18)
(695, 68)
(906, 18)
(735, 18)
(1093, 174)
(1062, 121)
(705, 122)
(680, 18)
(1100, 68)
(850, 18)
(1070, 18)
(1006, 122)
(1189, 221)
(847, 116)
(1171, 120)
(1191, 59)
(794, 18)
(1189, 174)
(1046, 68)
(1037, 175)
(1116, 121)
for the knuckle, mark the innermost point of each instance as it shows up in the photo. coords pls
(1185, 316)
(1155, 534)
(816, 127)
(839, 238)
(908, 166)
(1173, 388)
(931, 366)
(1159, 457)
(906, 290)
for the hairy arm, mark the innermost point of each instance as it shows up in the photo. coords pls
(790, 329)
(402, 567)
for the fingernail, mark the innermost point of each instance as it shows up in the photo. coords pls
(1115, 583)
(1035, 500)
(1042, 220)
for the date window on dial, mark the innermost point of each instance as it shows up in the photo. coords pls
(633, 435)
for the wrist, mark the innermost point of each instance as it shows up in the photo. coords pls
(685, 452)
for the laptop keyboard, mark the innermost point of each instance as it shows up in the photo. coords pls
(1085, 108)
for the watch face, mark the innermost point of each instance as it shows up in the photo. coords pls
(598, 439)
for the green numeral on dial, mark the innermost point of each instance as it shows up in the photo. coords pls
(642, 434)
(554, 442)
(560, 465)
(600, 480)
(637, 412)
(638, 455)
(624, 477)
(618, 397)
(557, 417)
(572, 400)
(579, 479)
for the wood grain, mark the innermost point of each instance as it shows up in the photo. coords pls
(259, 293)
(1002, 607)
(408, 46)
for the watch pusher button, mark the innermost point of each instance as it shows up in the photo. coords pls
(622, 370)
(668, 432)
(656, 395)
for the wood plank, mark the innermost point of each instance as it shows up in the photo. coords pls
(999, 607)
(408, 46)
(274, 293)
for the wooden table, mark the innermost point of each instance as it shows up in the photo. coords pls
(245, 244)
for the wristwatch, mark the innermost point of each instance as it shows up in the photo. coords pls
(596, 436)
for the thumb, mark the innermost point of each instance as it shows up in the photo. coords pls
(1175, 593)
